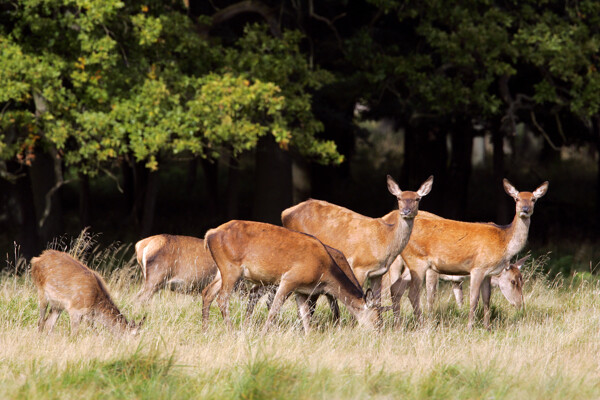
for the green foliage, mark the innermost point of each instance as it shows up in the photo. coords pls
(102, 81)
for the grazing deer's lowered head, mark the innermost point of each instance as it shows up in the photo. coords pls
(510, 282)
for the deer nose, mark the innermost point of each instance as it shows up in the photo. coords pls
(526, 209)
(406, 211)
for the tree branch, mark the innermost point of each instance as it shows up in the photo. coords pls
(248, 6)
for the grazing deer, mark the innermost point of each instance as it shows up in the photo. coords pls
(170, 260)
(369, 244)
(451, 247)
(510, 282)
(272, 255)
(64, 283)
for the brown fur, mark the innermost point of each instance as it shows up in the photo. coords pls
(272, 255)
(169, 260)
(64, 283)
(464, 248)
(369, 244)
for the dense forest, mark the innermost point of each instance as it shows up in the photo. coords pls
(145, 117)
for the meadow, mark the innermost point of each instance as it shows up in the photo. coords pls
(549, 350)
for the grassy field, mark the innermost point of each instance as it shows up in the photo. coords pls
(549, 351)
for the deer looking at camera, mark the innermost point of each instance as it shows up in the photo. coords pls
(173, 261)
(64, 283)
(479, 250)
(369, 244)
(271, 255)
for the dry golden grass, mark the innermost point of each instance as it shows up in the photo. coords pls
(551, 350)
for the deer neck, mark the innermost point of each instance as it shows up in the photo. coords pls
(111, 315)
(401, 229)
(517, 236)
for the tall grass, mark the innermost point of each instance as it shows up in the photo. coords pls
(548, 351)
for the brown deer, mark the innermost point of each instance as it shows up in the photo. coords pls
(64, 283)
(272, 255)
(510, 282)
(451, 247)
(369, 244)
(173, 261)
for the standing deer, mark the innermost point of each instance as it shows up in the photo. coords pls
(369, 244)
(170, 260)
(64, 283)
(451, 247)
(272, 255)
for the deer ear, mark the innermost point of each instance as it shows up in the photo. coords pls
(540, 191)
(393, 186)
(510, 189)
(425, 187)
(369, 298)
(519, 263)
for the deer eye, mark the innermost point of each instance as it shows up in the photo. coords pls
(513, 282)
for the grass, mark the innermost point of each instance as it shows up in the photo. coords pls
(548, 351)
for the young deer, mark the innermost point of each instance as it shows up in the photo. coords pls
(451, 247)
(169, 260)
(66, 284)
(369, 244)
(271, 255)
(510, 282)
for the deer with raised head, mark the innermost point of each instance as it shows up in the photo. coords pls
(173, 261)
(480, 250)
(369, 244)
(272, 255)
(64, 283)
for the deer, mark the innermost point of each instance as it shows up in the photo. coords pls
(273, 255)
(64, 283)
(480, 250)
(173, 261)
(510, 281)
(369, 244)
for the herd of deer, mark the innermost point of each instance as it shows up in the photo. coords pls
(322, 248)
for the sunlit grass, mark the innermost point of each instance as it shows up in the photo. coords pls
(549, 350)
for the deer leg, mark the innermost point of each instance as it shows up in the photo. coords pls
(228, 282)
(52, 317)
(284, 290)
(335, 309)
(153, 283)
(43, 302)
(256, 292)
(208, 295)
(75, 318)
(304, 310)
(458, 293)
(477, 277)
(397, 289)
(486, 291)
(431, 283)
(416, 280)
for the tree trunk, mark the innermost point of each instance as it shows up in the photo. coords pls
(273, 189)
(22, 213)
(85, 200)
(232, 191)
(43, 179)
(456, 195)
(149, 205)
(211, 179)
(498, 174)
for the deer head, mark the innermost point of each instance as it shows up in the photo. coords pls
(408, 202)
(510, 282)
(525, 200)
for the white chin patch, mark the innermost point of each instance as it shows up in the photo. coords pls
(523, 215)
